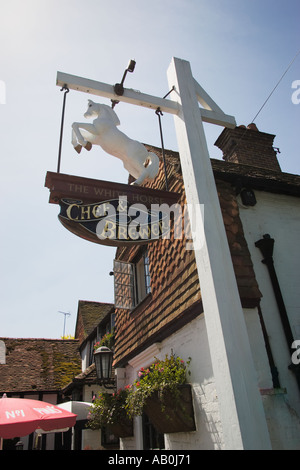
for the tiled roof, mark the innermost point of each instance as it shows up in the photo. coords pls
(87, 377)
(260, 178)
(89, 315)
(34, 365)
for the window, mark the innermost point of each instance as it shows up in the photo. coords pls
(152, 439)
(90, 351)
(143, 286)
(124, 277)
(132, 281)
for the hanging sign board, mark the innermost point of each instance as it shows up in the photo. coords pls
(111, 213)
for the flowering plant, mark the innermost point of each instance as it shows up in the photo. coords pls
(106, 340)
(163, 377)
(108, 409)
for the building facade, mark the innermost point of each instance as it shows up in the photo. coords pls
(158, 297)
(158, 308)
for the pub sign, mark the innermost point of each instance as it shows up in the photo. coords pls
(110, 213)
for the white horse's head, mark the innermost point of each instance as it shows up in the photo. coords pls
(103, 111)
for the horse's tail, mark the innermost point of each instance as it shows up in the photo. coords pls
(152, 165)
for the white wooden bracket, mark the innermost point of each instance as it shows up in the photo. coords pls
(209, 113)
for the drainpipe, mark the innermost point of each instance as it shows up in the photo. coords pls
(273, 368)
(266, 245)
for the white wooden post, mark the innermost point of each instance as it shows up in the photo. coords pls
(241, 409)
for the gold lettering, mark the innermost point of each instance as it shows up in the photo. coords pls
(110, 230)
(144, 232)
(98, 191)
(155, 230)
(165, 225)
(133, 233)
(122, 232)
(122, 207)
(135, 197)
(85, 210)
(95, 211)
(143, 198)
(69, 211)
(105, 207)
(101, 210)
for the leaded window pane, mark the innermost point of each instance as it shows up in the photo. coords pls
(124, 277)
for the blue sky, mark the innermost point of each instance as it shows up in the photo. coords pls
(238, 51)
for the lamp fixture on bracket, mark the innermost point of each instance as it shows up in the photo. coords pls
(103, 363)
(119, 88)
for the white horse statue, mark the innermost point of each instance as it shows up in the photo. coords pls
(140, 163)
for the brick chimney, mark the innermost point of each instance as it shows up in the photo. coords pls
(248, 146)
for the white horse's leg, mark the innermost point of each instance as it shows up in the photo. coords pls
(75, 144)
(89, 128)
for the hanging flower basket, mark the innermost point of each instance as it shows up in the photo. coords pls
(169, 413)
(162, 392)
(124, 428)
(109, 411)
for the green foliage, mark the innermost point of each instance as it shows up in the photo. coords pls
(107, 340)
(108, 408)
(163, 377)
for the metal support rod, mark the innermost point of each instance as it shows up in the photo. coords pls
(159, 114)
(62, 126)
(173, 88)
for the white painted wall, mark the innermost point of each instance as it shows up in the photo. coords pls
(279, 216)
(91, 439)
(264, 377)
(84, 364)
(190, 341)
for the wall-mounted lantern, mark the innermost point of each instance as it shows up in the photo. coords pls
(103, 363)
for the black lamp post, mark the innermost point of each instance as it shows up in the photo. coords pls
(103, 363)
